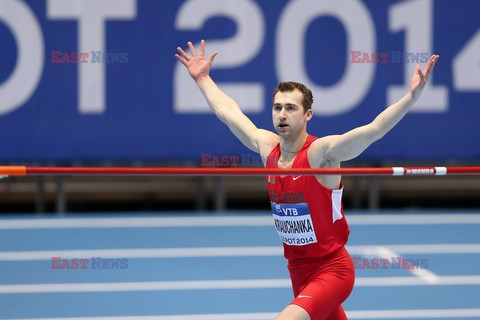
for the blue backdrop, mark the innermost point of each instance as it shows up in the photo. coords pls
(131, 100)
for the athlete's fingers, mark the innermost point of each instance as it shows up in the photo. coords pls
(192, 49)
(212, 56)
(184, 54)
(429, 62)
(202, 48)
(430, 66)
(182, 60)
(419, 72)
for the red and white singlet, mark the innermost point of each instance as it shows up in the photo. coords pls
(309, 218)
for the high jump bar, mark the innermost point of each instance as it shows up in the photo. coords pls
(203, 171)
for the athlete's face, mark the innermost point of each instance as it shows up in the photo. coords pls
(288, 116)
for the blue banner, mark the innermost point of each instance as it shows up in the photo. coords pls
(96, 80)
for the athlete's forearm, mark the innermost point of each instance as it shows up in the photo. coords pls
(386, 120)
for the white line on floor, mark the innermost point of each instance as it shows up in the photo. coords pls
(153, 253)
(222, 284)
(360, 314)
(228, 221)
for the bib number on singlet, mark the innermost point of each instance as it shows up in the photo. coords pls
(293, 223)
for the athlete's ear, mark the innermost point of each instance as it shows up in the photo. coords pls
(309, 115)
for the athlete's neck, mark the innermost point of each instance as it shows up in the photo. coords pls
(291, 147)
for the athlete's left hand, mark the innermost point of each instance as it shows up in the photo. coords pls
(198, 67)
(420, 77)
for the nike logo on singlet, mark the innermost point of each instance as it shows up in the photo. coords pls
(295, 178)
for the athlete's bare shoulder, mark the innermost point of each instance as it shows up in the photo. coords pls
(317, 153)
(266, 141)
(317, 157)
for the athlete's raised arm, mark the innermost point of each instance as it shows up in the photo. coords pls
(331, 150)
(224, 107)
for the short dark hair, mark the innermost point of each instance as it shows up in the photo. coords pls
(291, 86)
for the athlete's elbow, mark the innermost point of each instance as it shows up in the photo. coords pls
(221, 116)
(375, 134)
(225, 115)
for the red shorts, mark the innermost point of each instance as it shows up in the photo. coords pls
(321, 286)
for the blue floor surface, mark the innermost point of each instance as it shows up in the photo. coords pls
(230, 267)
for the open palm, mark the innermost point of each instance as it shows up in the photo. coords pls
(198, 67)
(420, 77)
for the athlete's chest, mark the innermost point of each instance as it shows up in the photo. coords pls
(285, 163)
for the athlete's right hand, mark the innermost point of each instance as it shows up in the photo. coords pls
(198, 67)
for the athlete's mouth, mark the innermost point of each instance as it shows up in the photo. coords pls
(283, 125)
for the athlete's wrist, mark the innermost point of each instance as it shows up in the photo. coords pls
(202, 78)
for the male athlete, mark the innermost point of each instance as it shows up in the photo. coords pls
(307, 210)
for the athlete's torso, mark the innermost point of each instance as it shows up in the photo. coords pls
(308, 216)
